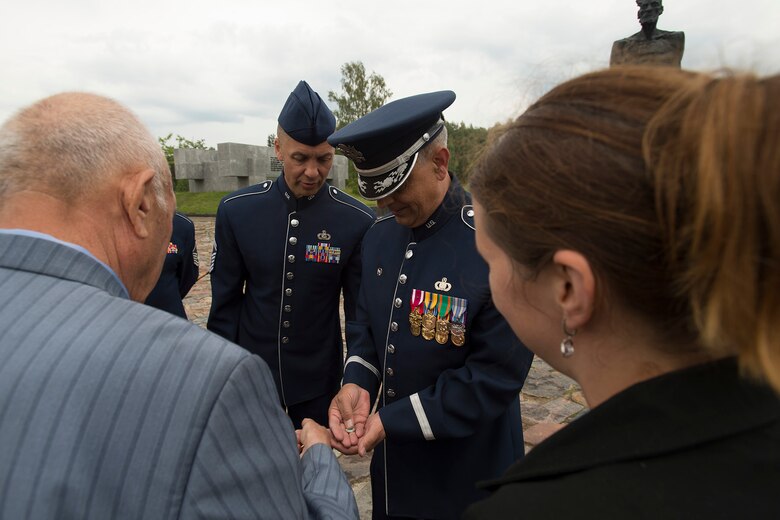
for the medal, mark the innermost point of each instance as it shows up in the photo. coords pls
(415, 315)
(458, 326)
(429, 318)
(442, 322)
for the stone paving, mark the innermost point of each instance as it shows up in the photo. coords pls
(549, 400)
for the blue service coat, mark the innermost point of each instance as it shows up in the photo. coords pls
(278, 268)
(451, 413)
(180, 270)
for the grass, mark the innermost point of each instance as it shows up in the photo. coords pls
(199, 204)
(205, 203)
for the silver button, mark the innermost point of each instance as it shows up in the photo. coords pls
(294, 222)
(285, 339)
(391, 348)
(288, 292)
(293, 241)
(390, 372)
(398, 303)
(409, 254)
(288, 308)
(402, 279)
(290, 276)
(470, 213)
(291, 259)
(394, 327)
(390, 392)
(286, 324)
(379, 271)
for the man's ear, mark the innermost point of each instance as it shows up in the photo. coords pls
(441, 160)
(138, 199)
(278, 149)
(575, 287)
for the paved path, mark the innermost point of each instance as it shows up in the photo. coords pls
(549, 399)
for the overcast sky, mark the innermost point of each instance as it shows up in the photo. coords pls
(221, 70)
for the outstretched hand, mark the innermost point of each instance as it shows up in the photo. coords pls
(310, 434)
(347, 417)
(374, 434)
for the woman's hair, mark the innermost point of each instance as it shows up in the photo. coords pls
(668, 182)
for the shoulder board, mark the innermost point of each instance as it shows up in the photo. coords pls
(384, 219)
(343, 198)
(180, 215)
(467, 215)
(260, 189)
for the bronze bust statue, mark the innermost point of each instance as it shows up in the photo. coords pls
(650, 45)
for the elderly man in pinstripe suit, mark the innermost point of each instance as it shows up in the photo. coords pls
(110, 408)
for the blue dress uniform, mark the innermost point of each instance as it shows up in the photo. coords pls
(278, 267)
(427, 333)
(180, 270)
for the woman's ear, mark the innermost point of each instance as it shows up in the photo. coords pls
(575, 287)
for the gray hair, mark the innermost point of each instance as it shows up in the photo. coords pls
(71, 143)
(440, 141)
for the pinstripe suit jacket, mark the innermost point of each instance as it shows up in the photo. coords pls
(113, 409)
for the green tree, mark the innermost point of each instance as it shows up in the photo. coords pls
(465, 144)
(180, 142)
(360, 94)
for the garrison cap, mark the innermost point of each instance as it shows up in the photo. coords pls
(305, 117)
(384, 143)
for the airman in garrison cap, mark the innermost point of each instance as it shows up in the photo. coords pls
(426, 330)
(283, 252)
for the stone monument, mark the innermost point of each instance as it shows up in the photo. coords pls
(650, 46)
(233, 166)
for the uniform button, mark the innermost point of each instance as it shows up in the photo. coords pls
(398, 303)
(290, 276)
(390, 392)
(390, 372)
(288, 292)
(379, 271)
(293, 241)
(391, 348)
(286, 324)
(291, 259)
(294, 222)
(288, 308)
(470, 213)
(402, 279)
(285, 339)
(394, 326)
(409, 254)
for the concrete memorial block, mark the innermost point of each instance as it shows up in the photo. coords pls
(234, 165)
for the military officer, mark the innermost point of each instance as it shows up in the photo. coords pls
(180, 270)
(426, 330)
(283, 252)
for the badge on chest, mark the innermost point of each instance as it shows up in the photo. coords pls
(323, 252)
(437, 316)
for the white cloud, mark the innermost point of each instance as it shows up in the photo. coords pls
(222, 70)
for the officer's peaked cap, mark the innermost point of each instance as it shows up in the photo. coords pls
(384, 143)
(305, 117)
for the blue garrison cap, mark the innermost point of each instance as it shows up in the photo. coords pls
(384, 143)
(305, 117)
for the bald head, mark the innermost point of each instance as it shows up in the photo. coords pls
(69, 144)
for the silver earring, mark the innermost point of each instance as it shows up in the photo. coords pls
(567, 345)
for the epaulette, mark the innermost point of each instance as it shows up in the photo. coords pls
(384, 219)
(177, 214)
(261, 188)
(467, 216)
(346, 199)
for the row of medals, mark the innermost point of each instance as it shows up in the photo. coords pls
(431, 326)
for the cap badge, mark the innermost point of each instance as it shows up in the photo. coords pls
(352, 153)
(443, 285)
(324, 235)
(380, 186)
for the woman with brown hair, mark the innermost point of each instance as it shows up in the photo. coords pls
(631, 222)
